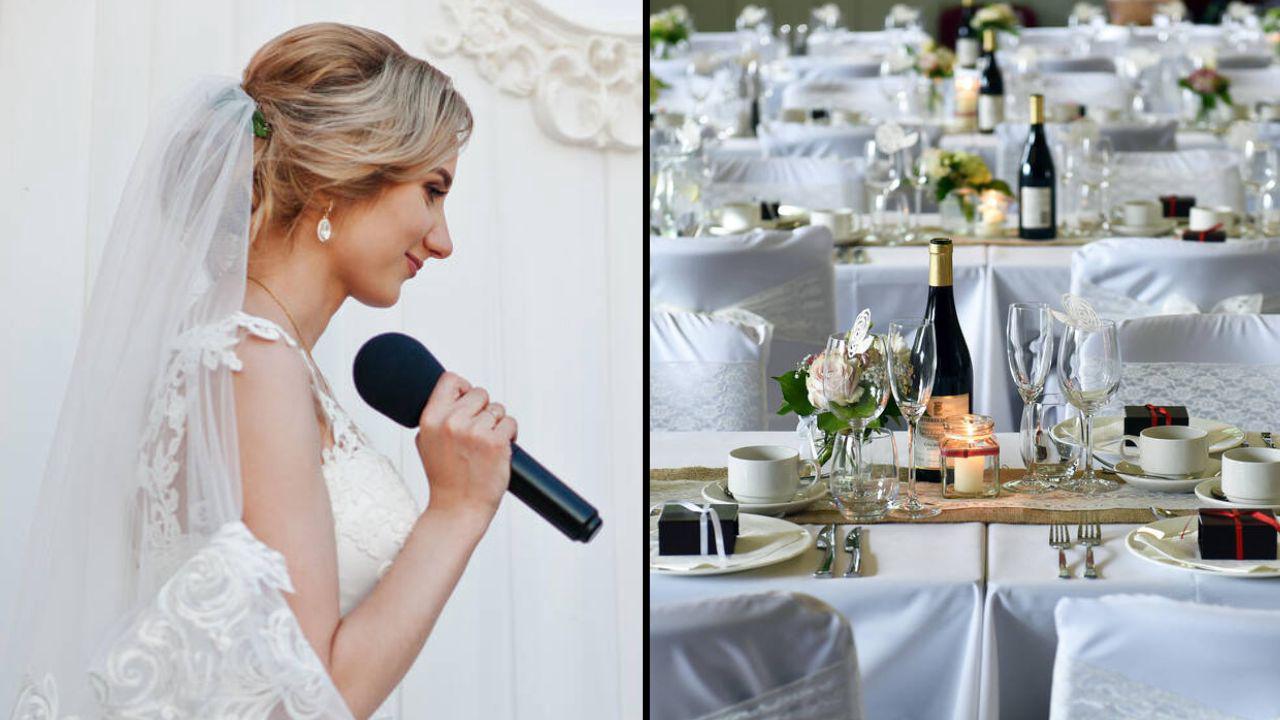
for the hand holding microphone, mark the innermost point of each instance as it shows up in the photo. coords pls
(396, 375)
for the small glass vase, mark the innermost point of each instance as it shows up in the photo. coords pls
(956, 214)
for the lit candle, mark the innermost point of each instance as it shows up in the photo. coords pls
(967, 98)
(968, 474)
(992, 211)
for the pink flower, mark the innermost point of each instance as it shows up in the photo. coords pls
(1204, 81)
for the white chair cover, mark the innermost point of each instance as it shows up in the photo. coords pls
(1223, 367)
(1136, 656)
(1212, 176)
(1125, 137)
(765, 656)
(826, 69)
(1091, 89)
(1066, 65)
(784, 277)
(804, 181)
(707, 371)
(783, 139)
(1244, 61)
(1250, 86)
(1138, 277)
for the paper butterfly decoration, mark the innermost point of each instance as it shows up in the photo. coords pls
(860, 337)
(890, 138)
(1078, 313)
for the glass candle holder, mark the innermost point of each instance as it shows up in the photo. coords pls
(971, 456)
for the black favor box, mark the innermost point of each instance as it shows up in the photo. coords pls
(769, 210)
(678, 529)
(1140, 417)
(1204, 235)
(1219, 540)
(1176, 206)
(819, 114)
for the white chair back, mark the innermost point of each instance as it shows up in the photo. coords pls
(1066, 65)
(787, 278)
(784, 139)
(864, 95)
(1139, 277)
(1125, 137)
(804, 181)
(1222, 367)
(707, 371)
(1211, 176)
(1091, 89)
(1147, 656)
(765, 656)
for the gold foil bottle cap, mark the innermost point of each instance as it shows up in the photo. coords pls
(940, 262)
(966, 3)
(988, 40)
(1037, 109)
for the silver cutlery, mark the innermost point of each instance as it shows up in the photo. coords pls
(1162, 513)
(1266, 438)
(1060, 538)
(1089, 535)
(853, 546)
(826, 541)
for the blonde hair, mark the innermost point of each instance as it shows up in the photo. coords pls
(350, 113)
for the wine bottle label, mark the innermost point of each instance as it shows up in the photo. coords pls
(948, 405)
(966, 52)
(1037, 207)
(990, 111)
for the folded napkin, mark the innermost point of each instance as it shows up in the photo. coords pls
(1185, 551)
(753, 545)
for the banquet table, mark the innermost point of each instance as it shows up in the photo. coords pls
(951, 620)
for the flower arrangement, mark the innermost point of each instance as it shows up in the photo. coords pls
(656, 86)
(901, 16)
(1240, 11)
(1174, 10)
(1210, 86)
(754, 17)
(836, 389)
(1087, 14)
(668, 28)
(962, 173)
(1271, 26)
(932, 60)
(826, 16)
(999, 17)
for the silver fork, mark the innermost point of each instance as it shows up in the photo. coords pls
(1089, 535)
(1060, 537)
(826, 542)
(853, 546)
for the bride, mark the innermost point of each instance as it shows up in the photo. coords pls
(214, 537)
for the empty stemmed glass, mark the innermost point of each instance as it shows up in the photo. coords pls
(913, 359)
(1258, 175)
(1029, 346)
(1089, 372)
(882, 178)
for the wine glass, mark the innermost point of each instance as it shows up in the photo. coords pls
(1029, 347)
(913, 359)
(1048, 456)
(881, 177)
(1257, 174)
(1089, 372)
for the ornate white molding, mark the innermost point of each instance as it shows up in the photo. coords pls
(585, 83)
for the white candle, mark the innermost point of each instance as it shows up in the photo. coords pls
(968, 474)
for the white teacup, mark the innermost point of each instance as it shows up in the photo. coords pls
(795, 115)
(1205, 217)
(838, 220)
(1169, 450)
(740, 216)
(1141, 213)
(1251, 475)
(766, 473)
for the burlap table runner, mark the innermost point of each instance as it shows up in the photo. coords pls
(686, 483)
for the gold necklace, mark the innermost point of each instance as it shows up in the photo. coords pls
(296, 332)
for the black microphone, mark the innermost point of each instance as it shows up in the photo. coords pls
(395, 374)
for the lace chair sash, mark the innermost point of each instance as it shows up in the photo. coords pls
(798, 310)
(828, 693)
(1218, 391)
(1091, 693)
(1118, 306)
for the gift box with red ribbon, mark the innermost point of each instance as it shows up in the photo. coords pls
(1140, 417)
(1213, 234)
(1237, 534)
(1176, 206)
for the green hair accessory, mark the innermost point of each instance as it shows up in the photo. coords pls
(260, 126)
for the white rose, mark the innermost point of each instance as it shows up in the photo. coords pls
(679, 13)
(843, 383)
(933, 166)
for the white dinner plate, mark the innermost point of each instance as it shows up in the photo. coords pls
(804, 497)
(1132, 475)
(1154, 230)
(752, 529)
(1205, 491)
(1187, 542)
(1107, 430)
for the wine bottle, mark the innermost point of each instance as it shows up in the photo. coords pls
(966, 37)
(990, 86)
(953, 378)
(1038, 219)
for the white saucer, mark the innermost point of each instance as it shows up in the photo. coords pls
(1205, 491)
(1135, 476)
(715, 492)
(1186, 547)
(1153, 230)
(1107, 430)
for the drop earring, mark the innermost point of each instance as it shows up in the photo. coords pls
(324, 230)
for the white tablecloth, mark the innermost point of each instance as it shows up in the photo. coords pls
(913, 614)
